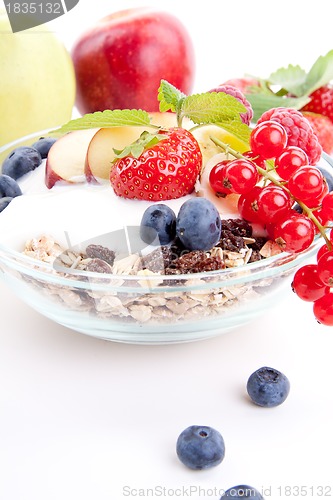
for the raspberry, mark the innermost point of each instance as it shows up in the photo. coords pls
(230, 90)
(299, 131)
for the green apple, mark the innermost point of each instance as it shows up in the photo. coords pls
(37, 82)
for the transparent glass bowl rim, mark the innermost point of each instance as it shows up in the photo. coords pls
(264, 268)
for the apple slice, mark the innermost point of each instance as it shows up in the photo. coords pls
(101, 148)
(66, 159)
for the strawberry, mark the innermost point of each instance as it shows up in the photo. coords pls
(321, 101)
(157, 167)
(323, 128)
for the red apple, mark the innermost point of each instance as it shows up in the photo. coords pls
(120, 62)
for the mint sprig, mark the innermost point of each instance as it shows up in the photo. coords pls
(109, 118)
(169, 97)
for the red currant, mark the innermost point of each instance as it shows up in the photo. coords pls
(260, 162)
(248, 205)
(273, 203)
(322, 250)
(321, 217)
(268, 139)
(325, 268)
(307, 284)
(323, 309)
(291, 158)
(294, 234)
(241, 176)
(217, 178)
(306, 184)
(327, 205)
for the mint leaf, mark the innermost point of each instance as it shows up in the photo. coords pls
(319, 74)
(291, 79)
(109, 118)
(169, 97)
(211, 107)
(262, 102)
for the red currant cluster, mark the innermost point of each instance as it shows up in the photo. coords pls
(280, 190)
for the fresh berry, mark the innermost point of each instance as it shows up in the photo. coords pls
(321, 101)
(200, 447)
(325, 268)
(4, 202)
(323, 309)
(289, 161)
(43, 145)
(166, 169)
(274, 203)
(20, 161)
(158, 225)
(328, 174)
(218, 180)
(307, 184)
(294, 234)
(298, 129)
(323, 128)
(9, 188)
(307, 284)
(327, 205)
(245, 84)
(268, 139)
(248, 205)
(235, 92)
(198, 224)
(241, 175)
(268, 387)
(242, 491)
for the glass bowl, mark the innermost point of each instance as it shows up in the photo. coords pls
(147, 309)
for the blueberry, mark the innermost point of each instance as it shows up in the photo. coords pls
(198, 224)
(43, 145)
(4, 202)
(200, 447)
(268, 387)
(158, 221)
(20, 161)
(242, 491)
(9, 188)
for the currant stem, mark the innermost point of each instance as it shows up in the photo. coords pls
(267, 175)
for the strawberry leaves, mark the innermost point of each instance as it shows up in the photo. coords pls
(146, 140)
(294, 86)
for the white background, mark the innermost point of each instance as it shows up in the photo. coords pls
(84, 419)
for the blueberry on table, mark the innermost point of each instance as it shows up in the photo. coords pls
(43, 145)
(268, 387)
(242, 491)
(198, 225)
(158, 221)
(20, 161)
(9, 188)
(200, 447)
